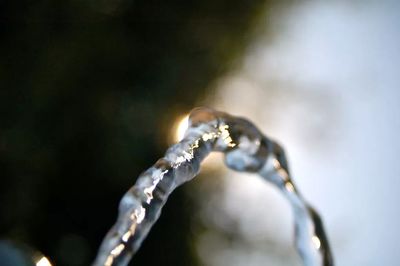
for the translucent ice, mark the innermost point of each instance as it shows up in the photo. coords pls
(246, 149)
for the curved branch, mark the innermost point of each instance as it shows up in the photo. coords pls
(246, 149)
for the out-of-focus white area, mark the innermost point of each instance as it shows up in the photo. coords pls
(180, 126)
(43, 262)
(326, 85)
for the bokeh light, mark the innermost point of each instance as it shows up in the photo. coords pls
(179, 127)
(43, 261)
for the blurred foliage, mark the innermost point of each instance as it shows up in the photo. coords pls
(85, 88)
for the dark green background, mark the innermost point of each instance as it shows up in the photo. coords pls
(88, 92)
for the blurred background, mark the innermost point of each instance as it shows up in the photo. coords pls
(93, 92)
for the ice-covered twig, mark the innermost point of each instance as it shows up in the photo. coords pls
(246, 149)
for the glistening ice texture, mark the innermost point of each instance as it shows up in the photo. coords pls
(246, 149)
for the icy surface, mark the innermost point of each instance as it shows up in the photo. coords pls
(246, 149)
